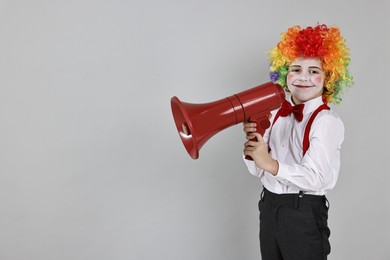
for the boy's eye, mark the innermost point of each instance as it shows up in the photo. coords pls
(314, 72)
(295, 70)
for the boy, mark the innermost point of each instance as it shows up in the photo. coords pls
(298, 158)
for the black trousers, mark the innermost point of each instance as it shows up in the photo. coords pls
(293, 227)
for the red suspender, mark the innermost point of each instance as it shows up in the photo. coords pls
(306, 141)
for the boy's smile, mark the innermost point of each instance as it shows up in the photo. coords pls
(301, 86)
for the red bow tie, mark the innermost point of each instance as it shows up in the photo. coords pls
(287, 109)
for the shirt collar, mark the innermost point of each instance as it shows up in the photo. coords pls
(310, 105)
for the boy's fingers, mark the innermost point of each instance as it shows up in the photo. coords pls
(249, 124)
(256, 135)
(249, 129)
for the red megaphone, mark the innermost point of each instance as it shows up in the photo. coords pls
(197, 123)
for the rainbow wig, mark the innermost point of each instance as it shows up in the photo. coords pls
(319, 42)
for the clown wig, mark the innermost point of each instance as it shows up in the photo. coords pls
(322, 42)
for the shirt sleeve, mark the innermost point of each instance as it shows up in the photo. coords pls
(252, 168)
(319, 167)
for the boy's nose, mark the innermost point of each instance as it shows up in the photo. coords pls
(304, 77)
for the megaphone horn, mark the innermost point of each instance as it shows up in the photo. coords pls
(197, 123)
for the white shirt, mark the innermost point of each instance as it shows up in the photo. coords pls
(317, 171)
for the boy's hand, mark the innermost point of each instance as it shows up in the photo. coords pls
(249, 127)
(256, 148)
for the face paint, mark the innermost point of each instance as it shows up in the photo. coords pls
(305, 79)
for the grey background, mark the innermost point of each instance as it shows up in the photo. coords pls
(91, 166)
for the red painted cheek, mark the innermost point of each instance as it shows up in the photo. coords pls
(290, 77)
(318, 80)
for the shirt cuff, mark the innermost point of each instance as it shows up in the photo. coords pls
(283, 171)
(252, 167)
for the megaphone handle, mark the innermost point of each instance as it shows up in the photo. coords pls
(262, 124)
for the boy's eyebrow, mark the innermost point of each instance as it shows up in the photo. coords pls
(315, 67)
(294, 67)
(310, 67)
